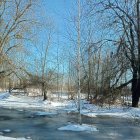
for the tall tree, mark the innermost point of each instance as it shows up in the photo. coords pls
(14, 23)
(123, 18)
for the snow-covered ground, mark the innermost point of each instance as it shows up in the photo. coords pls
(113, 111)
(9, 138)
(53, 107)
(10, 101)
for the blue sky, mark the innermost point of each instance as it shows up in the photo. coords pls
(58, 11)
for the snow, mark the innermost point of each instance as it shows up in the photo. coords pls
(117, 111)
(69, 106)
(9, 138)
(7, 130)
(78, 127)
(8, 100)
(20, 102)
(4, 95)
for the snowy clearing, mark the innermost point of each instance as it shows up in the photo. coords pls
(91, 110)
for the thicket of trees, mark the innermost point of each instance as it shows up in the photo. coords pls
(110, 48)
(123, 23)
(15, 24)
(109, 38)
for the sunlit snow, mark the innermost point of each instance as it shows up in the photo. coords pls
(10, 101)
(78, 127)
(9, 138)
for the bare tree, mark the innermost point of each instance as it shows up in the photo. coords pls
(14, 24)
(123, 20)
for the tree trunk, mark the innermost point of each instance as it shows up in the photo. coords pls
(135, 91)
(89, 90)
(44, 91)
(44, 96)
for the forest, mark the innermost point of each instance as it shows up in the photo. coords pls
(73, 59)
(103, 44)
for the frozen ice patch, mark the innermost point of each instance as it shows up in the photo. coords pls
(40, 113)
(1, 133)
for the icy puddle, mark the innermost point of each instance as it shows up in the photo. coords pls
(41, 125)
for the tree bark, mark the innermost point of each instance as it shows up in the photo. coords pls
(135, 90)
(44, 91)
(44, 96)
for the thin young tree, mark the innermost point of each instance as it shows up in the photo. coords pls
(79, 59)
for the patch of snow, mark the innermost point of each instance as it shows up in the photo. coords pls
(114, 134)
(29, 138)
(7, 130)
(4, 95)
(78, 127)
(9, 138)
(114, 111)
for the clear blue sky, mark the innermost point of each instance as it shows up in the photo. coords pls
(59, 12)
